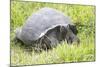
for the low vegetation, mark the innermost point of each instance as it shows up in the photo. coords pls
(81, 15)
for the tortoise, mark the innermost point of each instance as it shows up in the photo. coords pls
(47, 28)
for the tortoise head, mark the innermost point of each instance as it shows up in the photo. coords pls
(71, 34)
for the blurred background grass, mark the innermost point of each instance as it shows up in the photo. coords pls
(84, 18)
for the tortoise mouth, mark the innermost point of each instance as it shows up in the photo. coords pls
(75, 40)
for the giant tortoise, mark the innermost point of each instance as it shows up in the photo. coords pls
(46, 28)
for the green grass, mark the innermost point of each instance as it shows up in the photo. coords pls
(82, 16)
